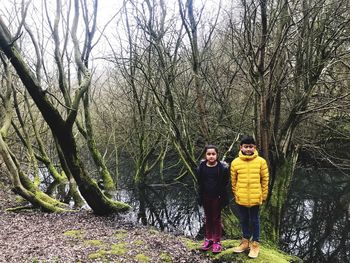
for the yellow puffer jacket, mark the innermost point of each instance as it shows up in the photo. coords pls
(250, 178)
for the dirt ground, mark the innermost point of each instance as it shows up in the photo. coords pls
(34, 236)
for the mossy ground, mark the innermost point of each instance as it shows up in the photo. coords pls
(104, 251)
(74, 233)
(120, 234)
(127, 246)
(142, 258)
(267, 253)
(165, 257)
(93, 242)
(85, 237)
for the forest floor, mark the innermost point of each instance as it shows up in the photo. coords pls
(34, 236)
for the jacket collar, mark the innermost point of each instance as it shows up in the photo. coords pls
(248, 157)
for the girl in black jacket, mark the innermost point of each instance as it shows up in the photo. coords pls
(213, 177)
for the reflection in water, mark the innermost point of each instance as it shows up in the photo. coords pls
(170, 208)
(316, 224)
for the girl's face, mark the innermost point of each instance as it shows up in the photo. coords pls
(211, 155)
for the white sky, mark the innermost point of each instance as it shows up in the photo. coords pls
(107, 9)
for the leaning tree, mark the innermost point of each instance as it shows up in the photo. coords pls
(61, 123)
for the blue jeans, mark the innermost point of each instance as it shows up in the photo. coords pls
(250, 223)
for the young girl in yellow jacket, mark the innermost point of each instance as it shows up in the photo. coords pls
(249, 178)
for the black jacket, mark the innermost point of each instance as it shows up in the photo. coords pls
(223, 182)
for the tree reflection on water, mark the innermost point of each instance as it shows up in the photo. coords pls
(316, 224)
(171, 208)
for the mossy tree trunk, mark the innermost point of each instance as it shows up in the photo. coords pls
(73, 189)
(108, 182)
(272, 212)
(21, 184)
(35, 197)
(43, 155)
(62, 129)
(26, 140)
(83, 61)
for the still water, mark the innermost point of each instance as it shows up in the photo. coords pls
(170, 208)
(316, 225)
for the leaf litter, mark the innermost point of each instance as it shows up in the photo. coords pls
(34, 236)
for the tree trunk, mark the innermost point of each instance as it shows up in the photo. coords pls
(272, 212)
(192, 34)
(61, 129)
(36, 198)
(108, 182)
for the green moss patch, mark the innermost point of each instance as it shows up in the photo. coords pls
(118, 249)
(19, 199)
(74, 234)
(93, 243)
(267, 253)
(191, 244)
(142, 258)
(139, 242)
(165, 257)
(101, 254)
(120, 234)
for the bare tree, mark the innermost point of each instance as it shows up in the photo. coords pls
(62, 128)
(21, 184)
(286, 47)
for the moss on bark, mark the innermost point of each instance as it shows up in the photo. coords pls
(61, 128)
(37, 201)
(30, 186)
(231, 224)
(272, 213)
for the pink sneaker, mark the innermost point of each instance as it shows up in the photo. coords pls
(207, 245)
(217, 247)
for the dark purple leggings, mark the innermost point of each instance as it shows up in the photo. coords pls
(212, 210)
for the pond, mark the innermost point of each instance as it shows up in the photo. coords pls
(172, 208)
(315, 226)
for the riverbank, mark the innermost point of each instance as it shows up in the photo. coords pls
(84, 237)
(34, 236)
